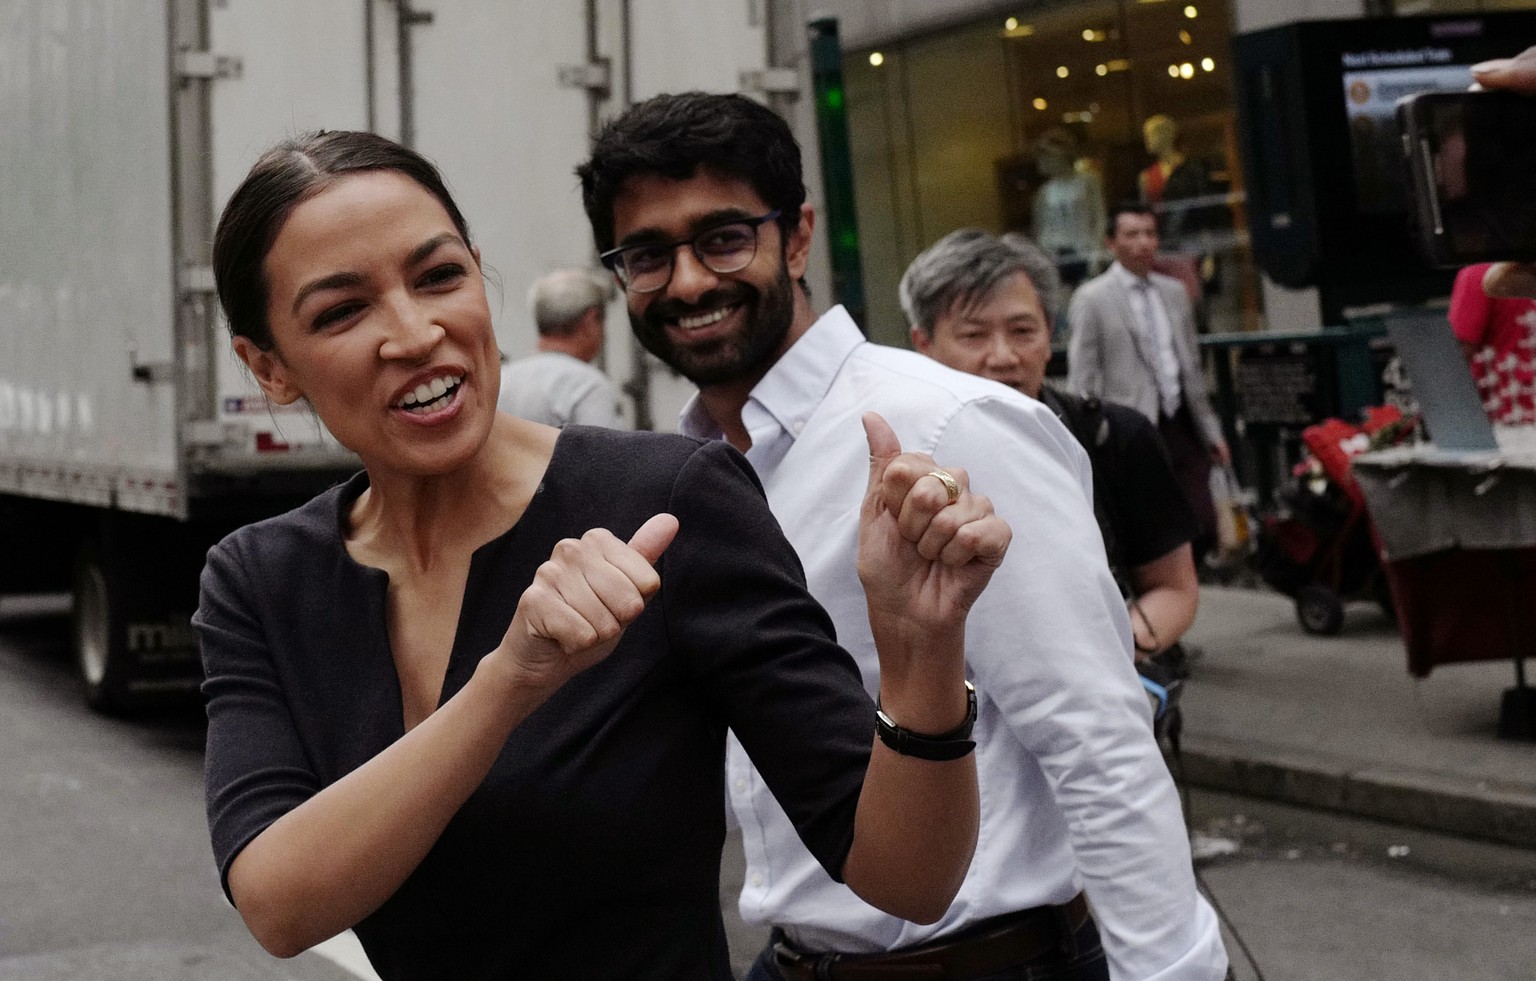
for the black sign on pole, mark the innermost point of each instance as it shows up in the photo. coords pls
(1289, 385)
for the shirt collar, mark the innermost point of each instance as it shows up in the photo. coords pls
(797, 382)
(1128, 278)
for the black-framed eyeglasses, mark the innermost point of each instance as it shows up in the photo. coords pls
(725, 248)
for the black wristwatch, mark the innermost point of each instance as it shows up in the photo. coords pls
(949, 745)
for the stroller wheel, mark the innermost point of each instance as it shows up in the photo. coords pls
(1320, 610)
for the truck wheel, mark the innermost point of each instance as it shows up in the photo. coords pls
(1320, 610)
(97, 634)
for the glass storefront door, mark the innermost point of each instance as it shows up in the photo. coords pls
(1038, 122)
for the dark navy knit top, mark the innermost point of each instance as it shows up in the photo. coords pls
(592, 848)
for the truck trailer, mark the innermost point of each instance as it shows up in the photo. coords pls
(131, 437)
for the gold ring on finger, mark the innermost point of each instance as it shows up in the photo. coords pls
(951, 486)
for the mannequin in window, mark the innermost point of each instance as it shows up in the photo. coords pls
(1172, 178)
(1069, 205)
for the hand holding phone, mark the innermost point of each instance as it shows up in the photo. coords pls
(1517, 74)
(1471, 158)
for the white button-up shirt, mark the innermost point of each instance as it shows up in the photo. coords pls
(1074, 791)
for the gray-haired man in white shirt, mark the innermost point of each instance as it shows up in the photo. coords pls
(559, 384)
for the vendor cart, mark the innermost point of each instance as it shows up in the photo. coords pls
(1456, 521)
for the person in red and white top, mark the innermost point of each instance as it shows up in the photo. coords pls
(1498, 336)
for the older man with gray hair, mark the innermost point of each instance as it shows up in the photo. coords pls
(985, 304)
(558, 385)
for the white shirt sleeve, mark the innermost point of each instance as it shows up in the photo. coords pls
(1049, 644)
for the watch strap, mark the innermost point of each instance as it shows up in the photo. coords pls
(945, 746)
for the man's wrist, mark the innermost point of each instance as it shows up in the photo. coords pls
(922, 683)
(951, 744)
(918, 661)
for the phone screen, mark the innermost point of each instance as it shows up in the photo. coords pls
(1479, 149)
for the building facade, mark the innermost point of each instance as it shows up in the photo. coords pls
(1036, 117)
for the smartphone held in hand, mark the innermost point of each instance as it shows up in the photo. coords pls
(1471, 159)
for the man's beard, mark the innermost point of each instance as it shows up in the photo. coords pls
(766, 317)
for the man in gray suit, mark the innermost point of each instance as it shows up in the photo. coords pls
(1133, 342)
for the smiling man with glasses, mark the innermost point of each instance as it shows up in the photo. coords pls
(645, 267)
(1076, 796)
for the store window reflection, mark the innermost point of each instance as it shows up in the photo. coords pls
(1036, 122)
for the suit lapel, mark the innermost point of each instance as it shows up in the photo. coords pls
(1128, 313)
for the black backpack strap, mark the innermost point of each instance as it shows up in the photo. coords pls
(1086, 420)
(1083, 415)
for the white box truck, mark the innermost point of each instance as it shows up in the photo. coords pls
(130, 436)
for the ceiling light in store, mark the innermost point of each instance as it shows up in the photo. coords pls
(876, 58)
(1209, 64)
(1061, 71)
(1173, 71)
(1101, 70)
(1191, 12)
(1039, 104)
(1013, 27)
(1118, 64)
(1089, 34)
(1011, 24)
(1186, 70)
(1186, 37)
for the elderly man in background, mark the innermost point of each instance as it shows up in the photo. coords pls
(984, 305)
(559, 385)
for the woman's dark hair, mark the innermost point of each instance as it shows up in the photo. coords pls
(674, 135)
(286, 175)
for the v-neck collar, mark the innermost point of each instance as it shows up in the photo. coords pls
(460, 665)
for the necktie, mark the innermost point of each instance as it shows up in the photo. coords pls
(1165, 368)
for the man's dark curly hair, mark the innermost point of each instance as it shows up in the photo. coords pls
(673, 135)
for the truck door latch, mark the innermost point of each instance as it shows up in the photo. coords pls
(150, 372)
(206, 64)
(594, 76)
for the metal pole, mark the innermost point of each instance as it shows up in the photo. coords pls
(594, 116)
(406, 19)
(638, 388)
(370, 55)
(193, 216)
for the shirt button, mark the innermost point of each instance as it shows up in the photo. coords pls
(797, 426)
(741, 784)
(757, 880)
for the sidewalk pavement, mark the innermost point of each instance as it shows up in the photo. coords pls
(1338, 723)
